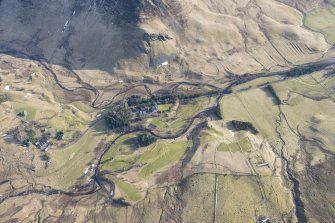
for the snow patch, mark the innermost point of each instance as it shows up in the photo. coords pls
(86, 171)
(68, 20)
(163, 64)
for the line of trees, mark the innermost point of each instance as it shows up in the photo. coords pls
(164, 99)
(136, 100)
(296, 72)
(274, 95)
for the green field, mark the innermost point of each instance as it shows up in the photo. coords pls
(253, 106)
(68, 164)
(83, 106)
(128, 191)
(240, 197)
(162, 154)
(160, 122)
(165, 107)
(122, 157)
(210, 134)
(243, 145)
(31, 112)
(322, 20)
(198, 198)
(183, 114)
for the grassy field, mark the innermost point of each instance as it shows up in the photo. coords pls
(165, 107)
(24, 104)
(31, 112)
(160, 122)
(255, 83)
(243, 146)
(322, 20)
(242, 198)
(209, 134)
(83, 106)
(199, 198)
(68, 164)
(162, 154)
(183, 114)
(120, 156)
(128, 191)
(253, 106)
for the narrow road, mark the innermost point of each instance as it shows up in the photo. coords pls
(215, 198)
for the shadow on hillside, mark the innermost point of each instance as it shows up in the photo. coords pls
(77, 34)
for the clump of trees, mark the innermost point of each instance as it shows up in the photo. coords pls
(118, 118)
(137, 104)
(145, 139)
(46, 159)
(59, 135)
(121, 201)
(3, 98)
(25, 135)
(31, 135)
(164, 99)
(274, 95)
(240, 126)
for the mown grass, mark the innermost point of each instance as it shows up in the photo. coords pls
(243, 145)
(162, 154)
(165, 107)
(158, 155)
(185, 113)
(31, 112)
(119, 156)
(127, 190)
(159, 122)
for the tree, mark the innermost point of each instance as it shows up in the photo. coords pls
(45, 158)
(118, 118)
(145, 139)
(20, 134)
(240, 126)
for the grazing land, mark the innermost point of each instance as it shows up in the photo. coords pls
(167, 111)
(322, 20)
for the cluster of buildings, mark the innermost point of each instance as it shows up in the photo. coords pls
(148, 110)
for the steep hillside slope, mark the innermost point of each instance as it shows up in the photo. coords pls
(209, 38)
